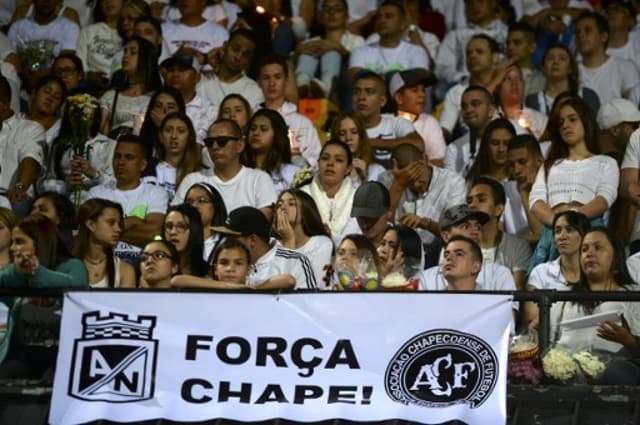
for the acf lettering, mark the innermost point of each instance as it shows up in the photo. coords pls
(429, 375)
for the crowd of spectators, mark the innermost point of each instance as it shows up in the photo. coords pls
(327, 145)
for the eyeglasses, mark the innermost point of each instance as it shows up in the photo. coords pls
(180, 226)
(198, 201)
(156, 255)
(221, 141)
(61, 72)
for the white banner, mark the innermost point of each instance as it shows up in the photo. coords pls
(186, 357)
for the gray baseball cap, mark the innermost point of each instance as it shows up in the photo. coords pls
(459, 213)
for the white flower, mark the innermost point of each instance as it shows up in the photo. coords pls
(590, 364)
(558, 365)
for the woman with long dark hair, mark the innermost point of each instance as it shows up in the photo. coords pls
(268, 149)
(163, 102)
(59, 209)
(491, 160)
(574, 176)
(128, 99)
(298, 226)
(178, 153)
(208, 201)
(100, 227)
(182, 227)
(47, 97)
(561, 274)
(602, 262)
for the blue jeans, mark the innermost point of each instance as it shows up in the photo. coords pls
(330, 64)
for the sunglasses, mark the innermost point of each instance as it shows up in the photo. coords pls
(221, 141)
(156, 255)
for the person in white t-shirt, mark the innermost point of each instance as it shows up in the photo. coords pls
(144, 205)
(21, 150)
(391, 53)
(98, 43)
(608, 76)
(462, 263)
(238, 185)
(272, 79)
(231, 62)
(45, 32)
(621, 18)
(182, 72)
(192, 32)
(251, 227)
(385, 131)
(408, 89)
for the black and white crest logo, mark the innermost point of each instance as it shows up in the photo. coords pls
(440, 368)
(115, 360)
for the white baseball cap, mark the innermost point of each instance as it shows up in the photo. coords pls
(617, 111)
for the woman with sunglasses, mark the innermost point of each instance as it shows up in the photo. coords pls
(158, 264)
(182, 227)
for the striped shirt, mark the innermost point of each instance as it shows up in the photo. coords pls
(279, 260)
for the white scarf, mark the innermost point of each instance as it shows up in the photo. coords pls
(335, 214)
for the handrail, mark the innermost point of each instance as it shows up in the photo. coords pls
(544, 298)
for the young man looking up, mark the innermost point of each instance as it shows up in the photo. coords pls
(487, 195)
(521, 43)
(385, 131)
(272, 79)
(462, 264)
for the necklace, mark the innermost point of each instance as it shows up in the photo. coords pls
(95, 262)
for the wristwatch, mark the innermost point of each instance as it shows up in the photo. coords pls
(413, 27)
(20, 186)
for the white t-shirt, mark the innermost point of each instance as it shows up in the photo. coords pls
(306, 133)
(633, 264)
(279, 260)
(20, 138)
(139, 202)
(451, 65)
(359, 8)
(59, 34)
(166, 178)
(514, 217)
(577, 181)
(319, 251)
(250, 187)
(451, 106)
(201, 38)
(492, 277)
(127, 108)
(389, 127)
(382, 60)
(458, 155)
(429, 129)
(97, 46)
(213, 13)
(202, 113)
(630, 51)
(215, 91)
(548, 276)
(632, 160)
(610, 80)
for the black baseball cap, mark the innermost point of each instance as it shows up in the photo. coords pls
(245, 221)
(459, 213)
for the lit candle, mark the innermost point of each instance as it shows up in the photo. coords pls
(137, 124)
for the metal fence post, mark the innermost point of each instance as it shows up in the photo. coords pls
(544, 321)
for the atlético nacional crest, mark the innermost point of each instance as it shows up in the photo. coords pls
(115, 360)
